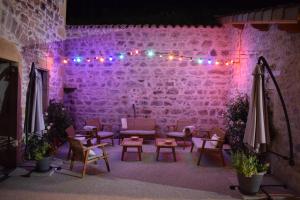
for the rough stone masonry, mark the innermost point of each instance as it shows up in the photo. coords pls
(166, 90)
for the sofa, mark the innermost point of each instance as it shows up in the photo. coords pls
(142, 127)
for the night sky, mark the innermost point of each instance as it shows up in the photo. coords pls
(165, 12)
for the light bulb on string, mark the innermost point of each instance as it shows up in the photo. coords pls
(77, 59)
(136, 52)
(170, 57)
(199, 60)
(88, 60)
(180, 58)
(209, 61)
(217, 62)
(101, 59)
(65, 61)
(121, 56)
(227, 63)
(110, 58)
(160, 55)
(150, 53)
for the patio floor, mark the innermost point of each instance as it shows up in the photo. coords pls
(130, 179)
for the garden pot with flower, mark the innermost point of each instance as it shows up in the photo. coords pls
(250, 172)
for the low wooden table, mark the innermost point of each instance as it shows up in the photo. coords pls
(161, 143)
(130, 143)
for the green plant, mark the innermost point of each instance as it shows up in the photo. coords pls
(248, 164)
(57, 120)
(236, 118)
(38, 147)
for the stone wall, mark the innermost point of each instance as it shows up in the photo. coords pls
(281, 49)
(159, 88)
(36, 28)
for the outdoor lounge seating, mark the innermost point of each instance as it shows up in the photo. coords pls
(180, 131)
(85, 154)
(104, 131)
(142, 127)
(214, 143)
(84, 136)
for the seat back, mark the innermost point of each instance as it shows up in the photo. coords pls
(70, 131)
(144, 124)
(141, 124)
(182, 123)
(130, 124)
(221, 134)
(94, 122)
(77, 149)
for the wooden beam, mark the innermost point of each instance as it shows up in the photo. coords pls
(292, 28)
(261, 27)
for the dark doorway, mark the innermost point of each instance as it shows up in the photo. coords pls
(8, 112)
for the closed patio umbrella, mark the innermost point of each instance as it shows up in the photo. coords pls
(34, 120)
(257, 131)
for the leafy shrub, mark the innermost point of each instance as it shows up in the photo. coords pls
(38, 147)
(236, 119)
(57, 120)
(248, 165)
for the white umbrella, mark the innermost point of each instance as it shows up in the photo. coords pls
(257, 130)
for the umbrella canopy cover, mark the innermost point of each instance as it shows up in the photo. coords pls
(257, 130)
(34, 119)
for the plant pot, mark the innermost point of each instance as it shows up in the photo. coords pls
(43, 165)
(250, 185)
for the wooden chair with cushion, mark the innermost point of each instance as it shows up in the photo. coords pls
(177, 131)
(104, 131)
(213, 143)
(85, 154)
(84, 136)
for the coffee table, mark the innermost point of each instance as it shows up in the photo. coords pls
(130, 143)
(161, 143)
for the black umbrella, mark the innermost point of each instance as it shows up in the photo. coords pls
(34, 121)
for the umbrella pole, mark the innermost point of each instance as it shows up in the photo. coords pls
(262, 60)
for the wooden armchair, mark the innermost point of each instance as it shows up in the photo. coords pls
(104, 131)
(83, 154)
(213, 143)
(84, 136)
(176, 131)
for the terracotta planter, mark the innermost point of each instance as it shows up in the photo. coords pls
(43, 165)
(250, 185)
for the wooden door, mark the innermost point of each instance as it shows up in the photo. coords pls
(8, 113)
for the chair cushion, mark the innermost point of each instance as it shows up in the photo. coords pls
(138, 132)
(95, 153)
(105, 133)
(198, 143)
(89, 128)
(80, 138)
(214, 143)
(176, 134)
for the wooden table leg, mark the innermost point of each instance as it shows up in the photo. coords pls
(174, 154)
(139, 152)
(123, 152)
(157, 153)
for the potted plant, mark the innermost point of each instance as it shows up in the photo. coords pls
(250, 171)
(39, 149)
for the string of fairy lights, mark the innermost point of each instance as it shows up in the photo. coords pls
(170, 56)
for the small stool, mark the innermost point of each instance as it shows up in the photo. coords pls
(130, 143)
(163, 143)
